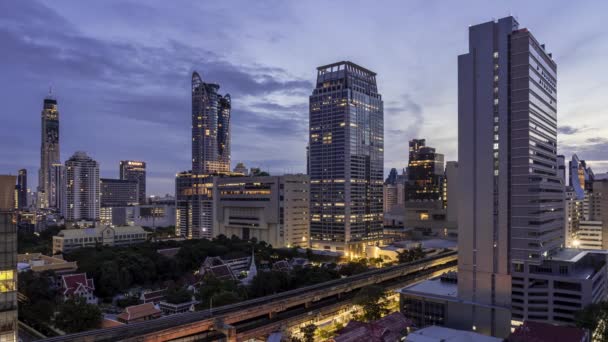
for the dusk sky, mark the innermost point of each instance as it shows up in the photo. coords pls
(121, 72)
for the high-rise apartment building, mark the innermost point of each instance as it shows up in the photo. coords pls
(346, 157)
(82, 188)
(57, 186)
(132, 170)
(22, 189)
(210, 128)
(425, 173)
(49, 148)
(8, 260)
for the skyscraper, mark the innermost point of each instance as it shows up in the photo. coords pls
(132, 170)
(8, 260)
(118, 192)
(425, 173)
(49, 149)
(57, 186)
(346, 152)
(22, 189)
(82, 188)
(210, 128)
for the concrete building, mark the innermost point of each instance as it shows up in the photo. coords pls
(135, 171)
(346, 158)
(37, 262)
(442, 334)
(590, 235)
(49, 148)
(240, 168)
(70, 239)
(274, 209)
(118, 192)
(82, 188)
(390, 193)
(8, 260)
(512, 266)
(117, 216)
(154, 215)
(573, 215)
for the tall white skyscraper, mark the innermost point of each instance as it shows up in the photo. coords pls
(82, 188)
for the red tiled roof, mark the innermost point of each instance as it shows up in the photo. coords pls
(388, 328)
(543, 332)
(72, 282)
(109, 323)
(135, 312)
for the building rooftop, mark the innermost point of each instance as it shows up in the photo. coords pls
(97, 231)
(442, 334)
(434, 288)
(38, 262)
(137, 312)
(544, 332)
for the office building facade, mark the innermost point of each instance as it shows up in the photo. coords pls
(425, 173)
(82, 188)
(135, 171)
(49, 148)
(193, 205)
(8, 260)
(118, 192)
(346, 157)
(274, 209)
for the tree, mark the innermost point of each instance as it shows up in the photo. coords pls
(595, 318)
(353, 267)
(309, 332)
(75, 315)
(372, 300)
(410, 255)
(178, 296)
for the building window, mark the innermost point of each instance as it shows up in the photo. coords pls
(7, 281)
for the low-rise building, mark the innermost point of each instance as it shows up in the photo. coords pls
(531, 331)
(390, 328)
(154, 215)
(70, 239)
(78, 286)
(171, 309)
(139, 313)
(153, 297)
(442, 334)
(589, 235)
(38, 262)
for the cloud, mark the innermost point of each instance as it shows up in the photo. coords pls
(568, 130)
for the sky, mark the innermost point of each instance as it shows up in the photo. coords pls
(121, 73)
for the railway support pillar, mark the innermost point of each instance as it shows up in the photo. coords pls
(272, 315)
(307, 305)
(226, 329)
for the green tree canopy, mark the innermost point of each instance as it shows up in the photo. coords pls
(76, 315)
(372, 300)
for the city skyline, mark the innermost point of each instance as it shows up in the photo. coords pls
(116, 108)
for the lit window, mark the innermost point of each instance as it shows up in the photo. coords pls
(7, 281)
(424, 216)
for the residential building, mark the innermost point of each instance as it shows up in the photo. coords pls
(210, 128)
(139, 313)
(135, 171)
(49, 148)
(68, 240)
(274, 209)
(425, 173)
(58, 187)
(8, 260)
(561, 168)
(22, 189)
(389, 197)
(573, 215)
(118, 192)
(590, 235)
(78, 286)
(117, 216)
(82, 188)
(346, 153)
(193, 205)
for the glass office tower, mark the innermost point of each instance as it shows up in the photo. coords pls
(346, 158)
